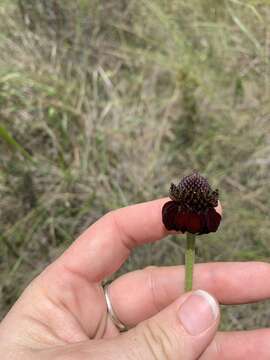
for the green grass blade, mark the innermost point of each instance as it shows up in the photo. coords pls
(245, 30)
(9, 139)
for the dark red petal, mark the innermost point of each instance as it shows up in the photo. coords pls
(181, 221)
(213, 219)
(194, 223)
(169, 213)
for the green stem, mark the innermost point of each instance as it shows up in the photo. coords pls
(189, 259)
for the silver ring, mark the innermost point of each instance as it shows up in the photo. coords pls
(120, 326)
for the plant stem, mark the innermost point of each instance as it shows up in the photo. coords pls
(189, 260)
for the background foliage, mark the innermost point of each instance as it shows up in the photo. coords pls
(103, 103)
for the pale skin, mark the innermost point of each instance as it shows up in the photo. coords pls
(62, 314)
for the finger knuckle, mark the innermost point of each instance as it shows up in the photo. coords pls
(159, 343)
(157, 291)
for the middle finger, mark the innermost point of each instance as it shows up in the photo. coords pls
(139, 295)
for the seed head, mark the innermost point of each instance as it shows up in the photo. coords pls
(192, 207)
(193, 193)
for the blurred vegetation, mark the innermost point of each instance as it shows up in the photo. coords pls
(104, 103)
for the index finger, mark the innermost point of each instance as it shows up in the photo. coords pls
(105, 245)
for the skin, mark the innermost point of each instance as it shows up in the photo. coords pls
(62, 313)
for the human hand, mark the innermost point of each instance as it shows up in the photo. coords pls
(63, 315)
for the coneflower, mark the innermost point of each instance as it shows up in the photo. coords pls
(191, 210)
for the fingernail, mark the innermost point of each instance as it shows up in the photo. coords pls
(198, 312)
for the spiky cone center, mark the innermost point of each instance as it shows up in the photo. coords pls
(194, 194)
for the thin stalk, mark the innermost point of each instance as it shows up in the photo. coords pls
(189, 261)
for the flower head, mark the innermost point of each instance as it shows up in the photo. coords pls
(192, 207)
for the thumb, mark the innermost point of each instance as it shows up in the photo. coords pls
(181, 331)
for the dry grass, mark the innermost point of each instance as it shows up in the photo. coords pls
(102, 105)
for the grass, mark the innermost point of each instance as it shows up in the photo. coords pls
(104, 103)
